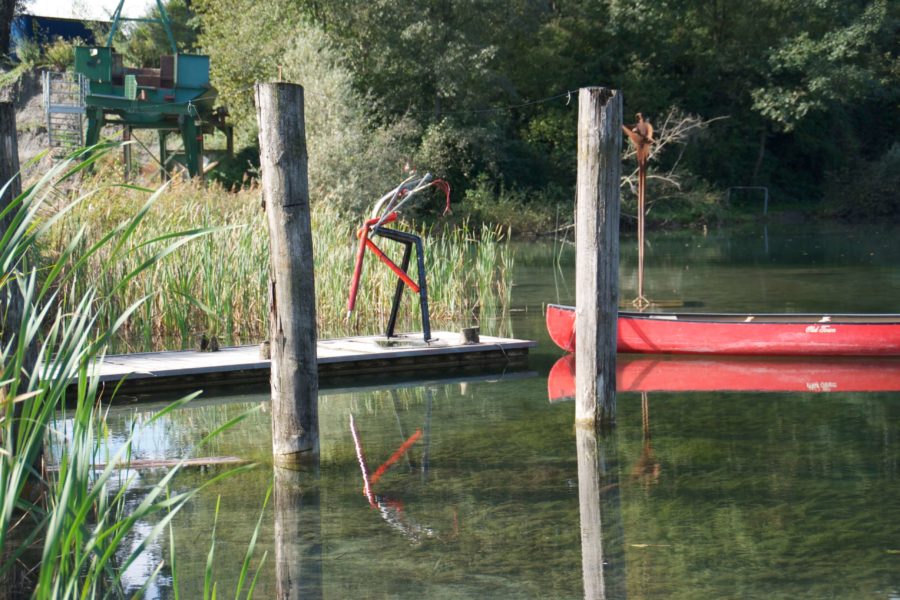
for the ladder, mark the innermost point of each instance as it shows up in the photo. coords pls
(64, 110)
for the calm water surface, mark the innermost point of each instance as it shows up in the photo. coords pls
(716, 495)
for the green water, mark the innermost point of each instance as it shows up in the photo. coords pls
(735, 495)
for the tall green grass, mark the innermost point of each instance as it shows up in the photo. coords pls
(218, 284)
(66, 533)
(92, 263)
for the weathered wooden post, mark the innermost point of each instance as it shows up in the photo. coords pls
(9, 154)
(292, 296)
(597, 259)
(11, 301)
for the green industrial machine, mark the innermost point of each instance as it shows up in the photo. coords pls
(176, 97)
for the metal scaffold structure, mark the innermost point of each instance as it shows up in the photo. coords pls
(64, 109)
(175, 98)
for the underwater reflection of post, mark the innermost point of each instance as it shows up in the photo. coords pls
(602, 537)
(298, 535)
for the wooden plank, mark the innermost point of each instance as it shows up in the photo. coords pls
(348, 356)
(165, 463)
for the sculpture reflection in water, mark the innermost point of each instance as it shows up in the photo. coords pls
(392, 509)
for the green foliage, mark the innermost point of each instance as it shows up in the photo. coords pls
(338, 135)
(246, 42)
(552, 135)
(148, 41)
(217, 285)
(351, 162)
(60, 55)
(459, 152)
(524, 212)
(695, 204)
(788, 74)
(30, 53)
(11, 77)
(843, 65)
(427, 57)
(71, 526)
(480, 88)
(871, 188)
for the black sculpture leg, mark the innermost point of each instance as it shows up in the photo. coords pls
(409, 238)
(398, 293)
(423, 290)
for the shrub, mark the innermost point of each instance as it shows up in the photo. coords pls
(29, 53)
(483, 203)
(60, 55)
(872, 185)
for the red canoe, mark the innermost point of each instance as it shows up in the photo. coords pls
(737, 374)
(738, 334)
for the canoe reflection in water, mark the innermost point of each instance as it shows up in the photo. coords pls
(641, 373)
(392, 510)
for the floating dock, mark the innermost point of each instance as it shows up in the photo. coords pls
(343, 357)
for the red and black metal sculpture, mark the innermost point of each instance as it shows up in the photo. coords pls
(386, 211)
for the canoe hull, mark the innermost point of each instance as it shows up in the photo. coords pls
(739, 335)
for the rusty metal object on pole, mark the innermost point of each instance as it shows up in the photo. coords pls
(641, 136)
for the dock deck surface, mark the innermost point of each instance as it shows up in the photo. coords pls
(337, 357)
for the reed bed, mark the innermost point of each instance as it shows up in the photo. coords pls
(218, 284)
(68, 532)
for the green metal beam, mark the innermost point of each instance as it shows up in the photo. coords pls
(162, 20)
(115, 25)
(167, 26)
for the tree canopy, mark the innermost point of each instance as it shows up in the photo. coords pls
(481, 90)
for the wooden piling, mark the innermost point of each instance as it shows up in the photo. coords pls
(597, 259)
(9, 156)
(292, 298)
(11, 302)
